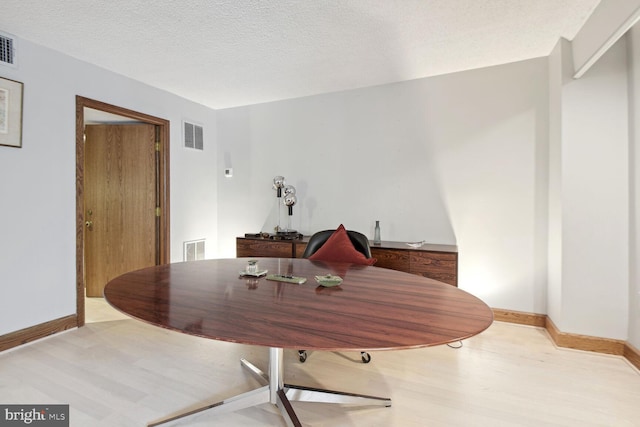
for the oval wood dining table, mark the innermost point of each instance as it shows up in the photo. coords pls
(372, 309)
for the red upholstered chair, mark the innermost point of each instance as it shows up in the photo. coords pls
(339, 245)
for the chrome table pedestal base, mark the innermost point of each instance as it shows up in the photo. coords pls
(276, 392)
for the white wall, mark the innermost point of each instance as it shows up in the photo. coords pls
(37, 182)
(456, 159)
(559, 67)
(595, 182)
(589, 195)
(634, 162)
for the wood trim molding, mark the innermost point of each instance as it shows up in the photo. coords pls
(163, 187)
(561, 339)
(584, 342)
(519, 317)
(33, 333)
(632, 354)
(568, 340)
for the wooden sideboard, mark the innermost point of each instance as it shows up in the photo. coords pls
(439, 262)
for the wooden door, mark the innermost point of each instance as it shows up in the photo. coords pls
(120, 202)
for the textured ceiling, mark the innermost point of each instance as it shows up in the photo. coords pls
(225, 53)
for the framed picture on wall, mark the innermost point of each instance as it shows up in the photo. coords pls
(10, 113)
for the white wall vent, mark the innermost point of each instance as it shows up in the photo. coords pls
(193, 250)
(7, 50)
(193, 136)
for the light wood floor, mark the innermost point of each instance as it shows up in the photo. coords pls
(120, 372)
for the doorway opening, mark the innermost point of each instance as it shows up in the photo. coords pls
(83, 106)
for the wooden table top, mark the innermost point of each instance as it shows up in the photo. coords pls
(373, 309)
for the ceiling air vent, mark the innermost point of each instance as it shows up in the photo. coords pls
(7, 50)
(193, 136)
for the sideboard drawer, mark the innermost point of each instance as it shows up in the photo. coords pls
(390, 258)
(435, 265)
(263, 248)
(299, 248)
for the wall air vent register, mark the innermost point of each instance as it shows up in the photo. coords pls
(7, 50)
(193, 136)
(193, 250)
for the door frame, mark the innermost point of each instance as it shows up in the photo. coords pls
(162, 183)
